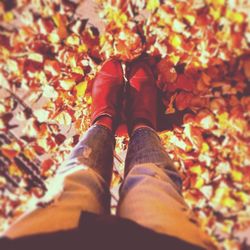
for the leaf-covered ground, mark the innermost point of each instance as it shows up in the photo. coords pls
(200, 54)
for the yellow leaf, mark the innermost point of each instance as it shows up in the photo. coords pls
(177, 142)
(64, 118)
(236, 175)
(207, 122)
(3, 181)
(234, 16)
(89, 99)
(227, 226)
(2, 125)
(228, 202)
(2, 109)
(174, 59)
(102, 39)
(5, 53)
(199, 182)
(73, 40)
(207, 191)
(36, 57)
(81, 89)
(12, 66)
(165, 18)
(204, 148)
(152, 4)
(14, 170)
(78, 70)
(215, 13)
(196, 169)
(67, 84)
(53, 37)
(121, 20)
(190, 19)
(223, 120)
(114, 15)
(178, 26)
(72, 61)
(175, 41)
(49, 92)
(221, 192)
(8, 16)
(217, 3)
(29, 153)
(82, 48)
(243, 196)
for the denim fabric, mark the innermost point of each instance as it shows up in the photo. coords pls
(94, 150)
(83, 182)
(145, 147)
(150, 193)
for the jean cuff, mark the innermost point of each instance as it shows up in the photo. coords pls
(143, 130)
(109, 131)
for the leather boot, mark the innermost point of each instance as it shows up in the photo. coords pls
(141, 104)
(107, 92)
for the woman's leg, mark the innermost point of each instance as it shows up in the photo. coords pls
(151, 192)
(87, 173)
(85, 178)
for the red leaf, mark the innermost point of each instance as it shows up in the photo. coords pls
(46, 165)
(166, 71)
(183, 100)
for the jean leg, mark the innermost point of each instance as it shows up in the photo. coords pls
(85, 179)
(151, 192)
(94, 150)
(146, 147)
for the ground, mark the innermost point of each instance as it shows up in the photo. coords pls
(199, 52)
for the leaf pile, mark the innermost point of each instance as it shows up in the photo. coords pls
(199, 51)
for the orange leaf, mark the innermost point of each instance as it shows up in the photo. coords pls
(247, 68)
(183, 100)
(52, 66)
(11, 150)
(59, 20)
(184, 82)
(166, 71)
(46, 165)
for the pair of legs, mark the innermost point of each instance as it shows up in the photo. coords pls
(149, 195)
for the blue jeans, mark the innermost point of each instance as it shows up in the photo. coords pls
(149, 195)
